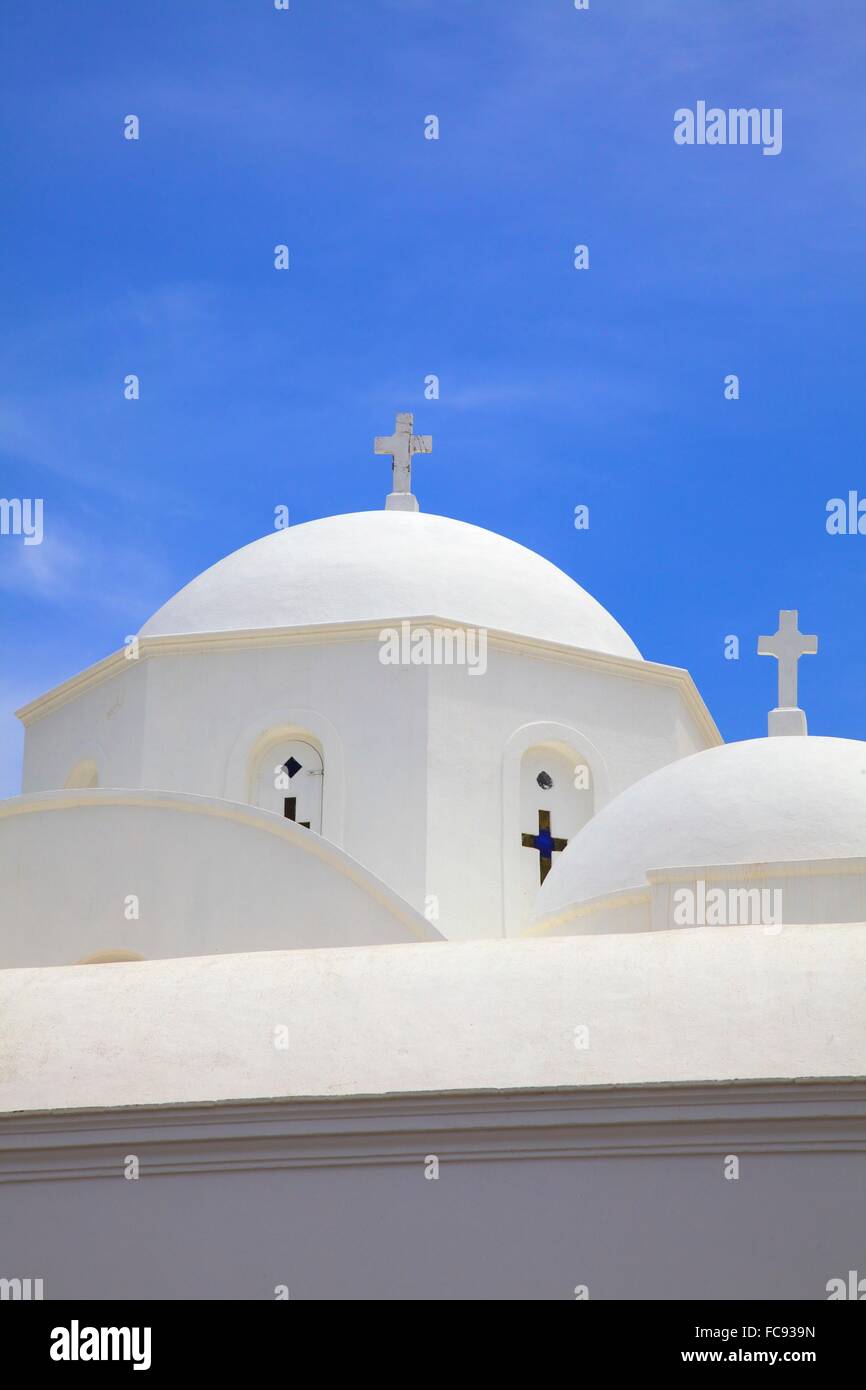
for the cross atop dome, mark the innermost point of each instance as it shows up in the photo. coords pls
(787, 645)
(401, 445)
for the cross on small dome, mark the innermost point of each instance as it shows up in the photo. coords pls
(401, 445)
(787, 645)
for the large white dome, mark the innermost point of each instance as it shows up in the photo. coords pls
(372, 566)
(768, 800)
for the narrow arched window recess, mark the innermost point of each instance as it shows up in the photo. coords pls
(556, 801)
(289, 780)
(83, 774)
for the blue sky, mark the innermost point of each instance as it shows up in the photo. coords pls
(454, 257)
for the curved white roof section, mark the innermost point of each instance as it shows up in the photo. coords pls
(480, 1016)
(387, 565)
(207, 876)
(767, 800)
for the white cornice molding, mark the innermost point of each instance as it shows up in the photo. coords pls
(183, 644)
(760, 869)
(636, 896)
(58, 695)
(640, 895)
(772, 1116)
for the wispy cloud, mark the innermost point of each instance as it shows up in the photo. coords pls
(69, 422)
(588, 395)
(80, 569)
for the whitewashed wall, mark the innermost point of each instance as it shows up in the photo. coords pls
(621, 1192)
(421, 764)
(559, 1165)
(771, 895)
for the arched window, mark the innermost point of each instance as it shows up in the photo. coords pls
(289, 780)
(84, 774)
(556, 801)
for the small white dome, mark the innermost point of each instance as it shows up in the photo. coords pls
(385, 565)
(765, 801)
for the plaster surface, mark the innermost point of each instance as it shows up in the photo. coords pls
(705, 1004)
(764, 801)
(421, 763)
(163, 874)
(620, 1190)
(378, 565)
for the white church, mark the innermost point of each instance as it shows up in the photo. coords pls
(379, 923)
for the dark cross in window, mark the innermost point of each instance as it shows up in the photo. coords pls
(545, 843)
(290, 809)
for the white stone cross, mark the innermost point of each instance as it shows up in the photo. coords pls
(401, 445)
(787, 645)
